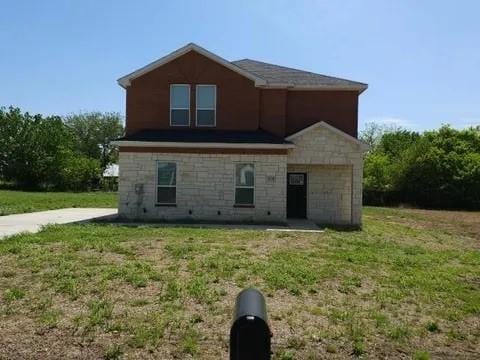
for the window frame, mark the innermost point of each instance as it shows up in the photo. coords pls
(199, 108)
(189, 104)
(165, 186)
(235, 187)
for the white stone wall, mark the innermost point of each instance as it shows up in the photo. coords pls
(322, 146)
(329, 192)
(205, 185)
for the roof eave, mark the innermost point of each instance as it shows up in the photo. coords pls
(360, 88)
(202, 145)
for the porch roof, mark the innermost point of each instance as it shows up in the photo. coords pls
(205, 136)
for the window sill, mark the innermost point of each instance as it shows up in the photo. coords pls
(243, 206)
(165, 205)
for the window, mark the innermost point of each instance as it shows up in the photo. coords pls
(206, 105)
(296, 179)
(166, 183)
(244, 184)
(179, 105)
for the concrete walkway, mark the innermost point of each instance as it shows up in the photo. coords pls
(292, 225)
(33, 222)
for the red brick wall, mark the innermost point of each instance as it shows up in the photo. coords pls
(273, 111)
(148, 96)
(240, 105)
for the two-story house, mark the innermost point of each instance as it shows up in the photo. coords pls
(209, 139)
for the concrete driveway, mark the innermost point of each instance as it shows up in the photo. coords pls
(33, 222)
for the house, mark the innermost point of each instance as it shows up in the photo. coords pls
(209, 139)
(110, 177)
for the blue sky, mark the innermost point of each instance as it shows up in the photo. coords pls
(421, 59)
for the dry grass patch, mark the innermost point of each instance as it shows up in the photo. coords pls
(100, 291)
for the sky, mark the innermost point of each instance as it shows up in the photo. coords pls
(421, 59)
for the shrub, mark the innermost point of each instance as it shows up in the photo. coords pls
(437, 169)
(79, 173)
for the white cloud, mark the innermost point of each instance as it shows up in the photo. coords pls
(391, 121)
(468, 122)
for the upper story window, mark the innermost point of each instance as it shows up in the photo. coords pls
(206, 105)
(179, 105)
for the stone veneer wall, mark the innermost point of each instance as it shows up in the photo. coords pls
(322, 146)
(205, 185)
(329, 192)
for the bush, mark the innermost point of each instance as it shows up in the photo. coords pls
(79, 173)
(436, 169)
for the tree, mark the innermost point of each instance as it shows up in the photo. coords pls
(32, 147)
(94, 133)
(438, 168)
(394, 143)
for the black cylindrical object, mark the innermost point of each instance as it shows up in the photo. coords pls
(250, 334)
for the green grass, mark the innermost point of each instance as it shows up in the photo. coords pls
(403, 281)
(16, 202)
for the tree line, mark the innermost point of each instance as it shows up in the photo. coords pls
(66, 153)
(433, 169)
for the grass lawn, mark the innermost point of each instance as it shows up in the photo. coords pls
(407, 286)
(15, 202)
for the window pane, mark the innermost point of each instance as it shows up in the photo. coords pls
(166, 195)
(244, 196)
(206, 97)
(244, 175)
(167, 174)
(179, 96)
(206, 117)
(179, 117)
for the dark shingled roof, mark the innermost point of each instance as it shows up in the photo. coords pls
(206, 136)
(276, 74)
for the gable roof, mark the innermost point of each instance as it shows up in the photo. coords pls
(331, 128)
(124, 81)
(264, 75)
(281, 76)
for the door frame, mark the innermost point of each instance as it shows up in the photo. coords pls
(306, 184)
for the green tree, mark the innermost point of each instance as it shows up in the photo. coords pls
(394, 143)
(31, 147)
(94, 133)
(443, 170)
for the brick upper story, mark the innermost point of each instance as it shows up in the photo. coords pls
(240, 103)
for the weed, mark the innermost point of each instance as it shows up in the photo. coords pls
(100, 312)
(358, 348)
(432, 326)
(422, 355)
(115, 352)
(13, 294)
(146, 331)
(287, 355)
(49, 318)
(189, 342)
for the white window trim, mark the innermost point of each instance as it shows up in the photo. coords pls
(165, 186)
(235, 187)
(171, 108)
(199, 108)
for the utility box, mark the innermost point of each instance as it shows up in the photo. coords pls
(250, 336)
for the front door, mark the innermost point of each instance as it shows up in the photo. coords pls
(296, 195)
